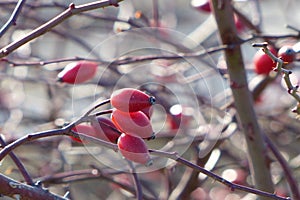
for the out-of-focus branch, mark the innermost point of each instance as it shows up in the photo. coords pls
(72, 10)
(67, 130)
(17, 190)
(13, 18)
(19, 164)
(232, 186)
(292, 182)
(122, 60)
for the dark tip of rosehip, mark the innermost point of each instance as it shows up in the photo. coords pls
(290, 51)
(59, 80)
(152, 100)
(152, 137)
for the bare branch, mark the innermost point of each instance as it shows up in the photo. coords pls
(72, 10)
(13, 18)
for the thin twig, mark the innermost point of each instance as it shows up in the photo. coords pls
(17, 190)
(13, 18)
(292, 182)
(137, 182)
(63, 131)
(72, 10)
(97, 106)
(123, 60)
(292, 90)
(88, 174)
(232, 186)
(19, 164)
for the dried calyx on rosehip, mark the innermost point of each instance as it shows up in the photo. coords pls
(105, 129)
(78, 72)
(131, 100)
(134, 149)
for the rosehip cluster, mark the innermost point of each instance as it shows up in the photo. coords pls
(128, 127)
(131, 115)
(263, 64)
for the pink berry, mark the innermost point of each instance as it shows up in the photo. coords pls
(287, 54)
(133, 123)
(78, 72)
(134, 149)
(148, 111)
(263, 64)
(201, 5)
(83, 129)
(106, 129)
(131, 100)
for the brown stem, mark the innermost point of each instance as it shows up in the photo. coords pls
(243, 100)
(72, 10)
(16, 190)
(19, 164)
(64, 131)
(292, 182)
(232, 186)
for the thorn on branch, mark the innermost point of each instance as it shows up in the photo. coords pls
(72, 6)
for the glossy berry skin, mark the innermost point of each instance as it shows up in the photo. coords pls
(106, 129)
(263, 64)
(78, 72)
(148, 111)
(83, 129)
(287, 54)
(134, 149)
(131, 100)
(134, 123)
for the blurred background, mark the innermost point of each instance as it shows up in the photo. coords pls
(193, 114)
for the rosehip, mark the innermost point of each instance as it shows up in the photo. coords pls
(148, 111)
(131, 100)
(201, 5)
(134, 149)
(263, 63)
(105, 129)
(287, 54)
(78, 72)
(134, 123)
(240, 26)
(83, 129)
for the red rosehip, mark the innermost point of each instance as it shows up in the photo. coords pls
(134, 149)
(78, 72)
(83, 129)
(105, 129)
(131, 100)
(240, 26)
(263, 63)
(287, 54)
(133, 123)
(148, 111)
(201, 5)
